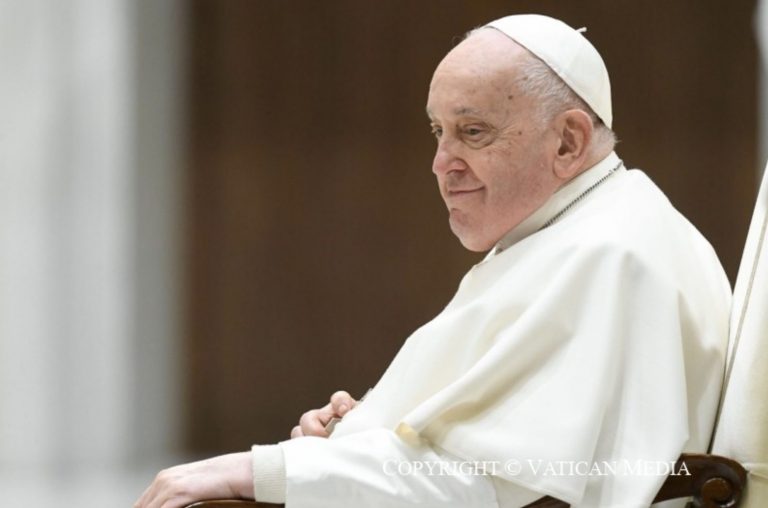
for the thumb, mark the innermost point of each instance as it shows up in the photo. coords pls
(342, 402)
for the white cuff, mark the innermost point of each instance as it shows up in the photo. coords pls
(268, 473)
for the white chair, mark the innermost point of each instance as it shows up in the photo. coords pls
(742, 429)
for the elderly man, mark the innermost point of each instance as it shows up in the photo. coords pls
(577, 360)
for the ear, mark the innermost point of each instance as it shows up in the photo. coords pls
(574, 130)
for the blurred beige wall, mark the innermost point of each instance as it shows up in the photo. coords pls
(89, 232)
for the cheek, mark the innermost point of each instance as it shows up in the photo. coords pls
(513, 188)
(502, 174)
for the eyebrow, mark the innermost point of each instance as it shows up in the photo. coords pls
(466, 111)
(460, 111)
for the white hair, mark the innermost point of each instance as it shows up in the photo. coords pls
(536, 79)
(553, 96)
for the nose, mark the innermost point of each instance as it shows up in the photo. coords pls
(446, 160)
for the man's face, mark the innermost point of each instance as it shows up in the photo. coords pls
(491, 162)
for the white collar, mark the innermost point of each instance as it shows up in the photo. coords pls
(561, 199)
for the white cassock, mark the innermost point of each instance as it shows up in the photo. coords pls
(573, 355)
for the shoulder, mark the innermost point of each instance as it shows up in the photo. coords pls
(630, 220)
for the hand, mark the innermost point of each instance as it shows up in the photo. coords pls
(312, 423)
(223, 477)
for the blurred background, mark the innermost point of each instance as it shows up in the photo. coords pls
(213, 214)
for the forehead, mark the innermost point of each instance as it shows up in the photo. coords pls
(477, 78)
(466, 94)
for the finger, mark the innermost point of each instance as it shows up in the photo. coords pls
(154, 495)
(341, 402)
(296, 432)
(161, 494)
(313, 422)
(148, 495)
(142, 501)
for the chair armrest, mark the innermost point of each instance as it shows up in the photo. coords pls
(714, 481)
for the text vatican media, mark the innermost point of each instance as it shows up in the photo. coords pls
(536, 468)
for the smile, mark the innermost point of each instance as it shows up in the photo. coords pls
(461, 192)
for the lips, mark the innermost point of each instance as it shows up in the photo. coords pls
(462, 192)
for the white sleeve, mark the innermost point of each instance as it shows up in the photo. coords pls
(375, 468)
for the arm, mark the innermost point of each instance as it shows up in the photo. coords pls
(376, 468)
(232, 476)
(222, 477)
(373, 469)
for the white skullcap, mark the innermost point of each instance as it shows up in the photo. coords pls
(567, 52)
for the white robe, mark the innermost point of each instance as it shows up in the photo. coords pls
(595, 342)
(742, 432)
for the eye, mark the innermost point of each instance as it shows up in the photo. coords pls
(437, 131)
(473, 131)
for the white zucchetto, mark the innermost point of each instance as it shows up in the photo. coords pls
(567, 52)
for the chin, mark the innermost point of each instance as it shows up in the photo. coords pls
(472, 241)
(476, 246)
